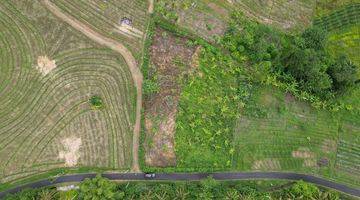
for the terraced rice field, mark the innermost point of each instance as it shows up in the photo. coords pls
(296, 137)
(287, 15)
(341, 18)
(48, 74)
(343, 27)
(106, 17)
(345, 41)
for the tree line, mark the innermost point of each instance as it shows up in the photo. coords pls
(300, 60)
(100, 188)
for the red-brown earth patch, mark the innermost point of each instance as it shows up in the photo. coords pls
(170, 59)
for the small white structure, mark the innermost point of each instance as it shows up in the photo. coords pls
(67, 188)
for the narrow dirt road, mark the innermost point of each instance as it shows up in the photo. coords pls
(129, 59)
(151, 6)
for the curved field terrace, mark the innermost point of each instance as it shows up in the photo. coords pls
(48, 74)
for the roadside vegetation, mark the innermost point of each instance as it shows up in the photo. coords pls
(101, 188)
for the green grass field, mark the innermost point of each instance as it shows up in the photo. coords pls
(275, 131)
(292, 136)
(345, 41)
(48, 74)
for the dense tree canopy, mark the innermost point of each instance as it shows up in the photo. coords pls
(98, 188)
(301, 57)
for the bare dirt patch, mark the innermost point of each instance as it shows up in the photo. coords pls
(45, 65)
(218, 9)
(170, 58)
(289, 98)
(303, 153)
(129, 31)
(71, 152)
(266, 164)
(328, 146)
(308, 156)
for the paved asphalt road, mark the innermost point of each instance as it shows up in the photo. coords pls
(192, 176)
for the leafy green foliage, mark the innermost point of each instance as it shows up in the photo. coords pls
(96, 102)
(151, 86)
(307, 67)
(306, 190)
(314, 38)
(207, 189)
(301, 59)
(98, 188)
(209, 105)
(344, 73)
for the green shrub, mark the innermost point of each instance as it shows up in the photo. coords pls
(96, 102)
(99, 188)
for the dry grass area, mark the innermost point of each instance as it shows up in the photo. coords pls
(106, 17)
(47, 121)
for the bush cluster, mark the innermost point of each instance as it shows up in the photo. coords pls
(300, 60)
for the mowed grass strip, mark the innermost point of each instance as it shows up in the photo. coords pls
(39, 112)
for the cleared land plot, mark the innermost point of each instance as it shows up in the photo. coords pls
(295, 137)
(169, 64)
(46, 120)
(123, 20)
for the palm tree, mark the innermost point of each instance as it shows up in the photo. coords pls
(232, 194)
(48, 194)
(181, 193)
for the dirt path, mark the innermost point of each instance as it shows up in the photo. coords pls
(129, 59)
(151, 6)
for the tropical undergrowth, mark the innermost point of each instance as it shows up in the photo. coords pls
(250, 54)
(209, 105)
(102, 188)
(296, 63)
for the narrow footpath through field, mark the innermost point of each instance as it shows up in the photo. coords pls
(151, 6)
(129, 59)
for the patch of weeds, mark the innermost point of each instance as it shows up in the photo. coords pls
(150, 86)
(96, 102)
(209, 106)
(209, 27)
